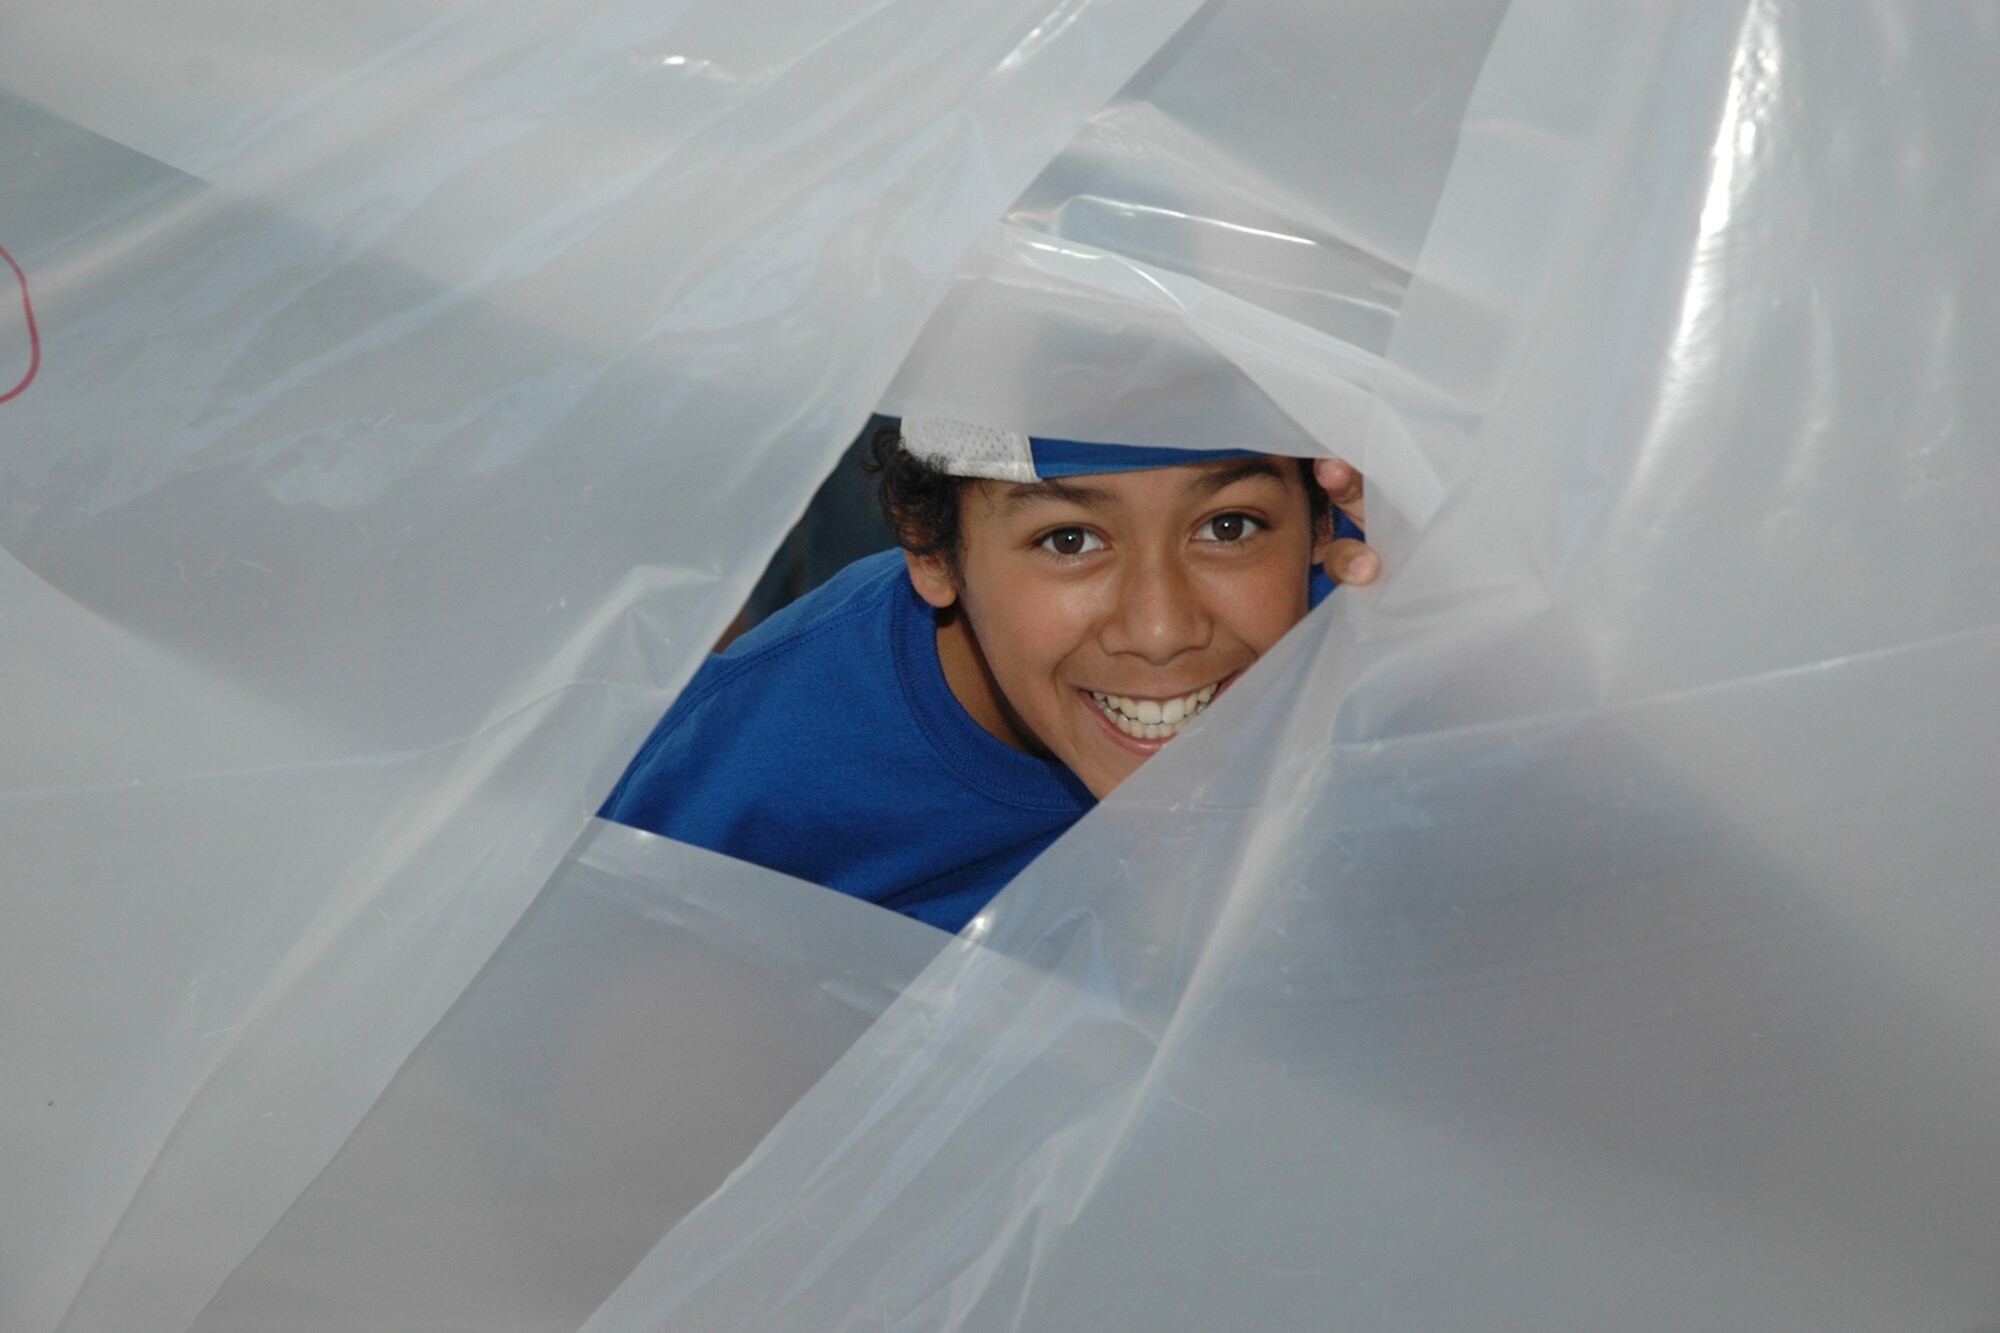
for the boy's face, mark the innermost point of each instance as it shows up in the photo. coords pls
(1098, 614)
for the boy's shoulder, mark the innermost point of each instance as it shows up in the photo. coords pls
(844, 625)
(863, 588)
(793, 686)
(826, 727)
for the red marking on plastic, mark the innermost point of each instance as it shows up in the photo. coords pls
(34, 335)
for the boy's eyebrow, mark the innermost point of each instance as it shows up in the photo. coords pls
(1055, 488)
(1208, 482)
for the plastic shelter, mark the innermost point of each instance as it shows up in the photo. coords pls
(1590, 926)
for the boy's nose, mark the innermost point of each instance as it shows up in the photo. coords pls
(1160, 613)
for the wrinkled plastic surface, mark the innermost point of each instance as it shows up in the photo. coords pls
(424, 385)
(1589, 927)
(653, 1015)
(1188, 274)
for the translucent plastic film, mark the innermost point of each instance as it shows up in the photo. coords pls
(653, 1015)
(1189, 273)
(1588, 927)
(1591, 927)
(420, 388)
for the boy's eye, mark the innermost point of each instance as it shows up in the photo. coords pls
(1070, 541)
(1228, 528)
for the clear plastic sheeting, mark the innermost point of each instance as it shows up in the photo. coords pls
(1590, 928)
(655, 1012)
(1184, 275)
(1587, 927)
(423, 387)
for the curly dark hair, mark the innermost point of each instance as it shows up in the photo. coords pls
(921, 500)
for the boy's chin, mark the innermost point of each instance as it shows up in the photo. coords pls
(1107, 771)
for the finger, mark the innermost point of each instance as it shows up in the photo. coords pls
(1343, 484)
(1350, 561)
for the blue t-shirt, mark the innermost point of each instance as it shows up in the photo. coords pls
(826, 744)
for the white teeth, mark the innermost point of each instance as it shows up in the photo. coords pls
(1149, 719)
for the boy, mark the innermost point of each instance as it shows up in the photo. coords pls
(918, 729)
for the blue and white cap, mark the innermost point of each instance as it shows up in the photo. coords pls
(963, 449)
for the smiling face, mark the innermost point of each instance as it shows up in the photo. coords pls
(1092, 617)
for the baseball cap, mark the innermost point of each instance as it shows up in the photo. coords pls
(965, 449)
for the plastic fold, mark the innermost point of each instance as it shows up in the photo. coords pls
(416, 407)
(1587, 927)
(651, 1017)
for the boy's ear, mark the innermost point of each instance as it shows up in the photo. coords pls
(931, 575)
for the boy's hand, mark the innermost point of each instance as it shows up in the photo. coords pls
(1347, 561)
